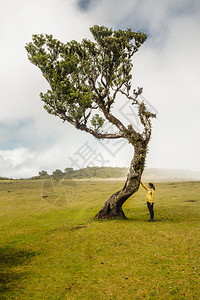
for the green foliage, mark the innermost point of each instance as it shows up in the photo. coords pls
(97, 122)
(43, 173)
(57, 173)
(83, 76)
(68, 172)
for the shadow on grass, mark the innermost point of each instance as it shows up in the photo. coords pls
(10, 272)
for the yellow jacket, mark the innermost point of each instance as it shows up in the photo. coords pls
(150, 193)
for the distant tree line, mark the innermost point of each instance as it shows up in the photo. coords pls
(89, 172)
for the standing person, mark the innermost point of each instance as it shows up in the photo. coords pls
(150, 198)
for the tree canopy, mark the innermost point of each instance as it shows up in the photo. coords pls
(85, 77)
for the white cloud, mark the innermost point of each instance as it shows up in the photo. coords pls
(13, 163)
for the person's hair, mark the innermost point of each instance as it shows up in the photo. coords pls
(152, 185)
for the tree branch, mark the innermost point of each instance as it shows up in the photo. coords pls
(118, 89)
(110, 117)
(145, 116)
(83, 127)
(134, 99)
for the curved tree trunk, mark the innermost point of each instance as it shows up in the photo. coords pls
(113, 206)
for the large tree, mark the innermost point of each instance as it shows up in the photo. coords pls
(85, 79)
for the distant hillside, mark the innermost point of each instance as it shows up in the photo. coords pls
(154, 175)
(100, 172)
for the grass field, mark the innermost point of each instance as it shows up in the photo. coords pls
(52, 248)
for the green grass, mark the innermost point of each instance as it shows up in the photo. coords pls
(52, 248)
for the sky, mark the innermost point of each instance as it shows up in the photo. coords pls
(167, 66)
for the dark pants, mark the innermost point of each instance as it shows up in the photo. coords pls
(150, 208)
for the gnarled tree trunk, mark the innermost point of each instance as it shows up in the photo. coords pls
(113, 206)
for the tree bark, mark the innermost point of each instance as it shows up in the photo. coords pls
(113, 206)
